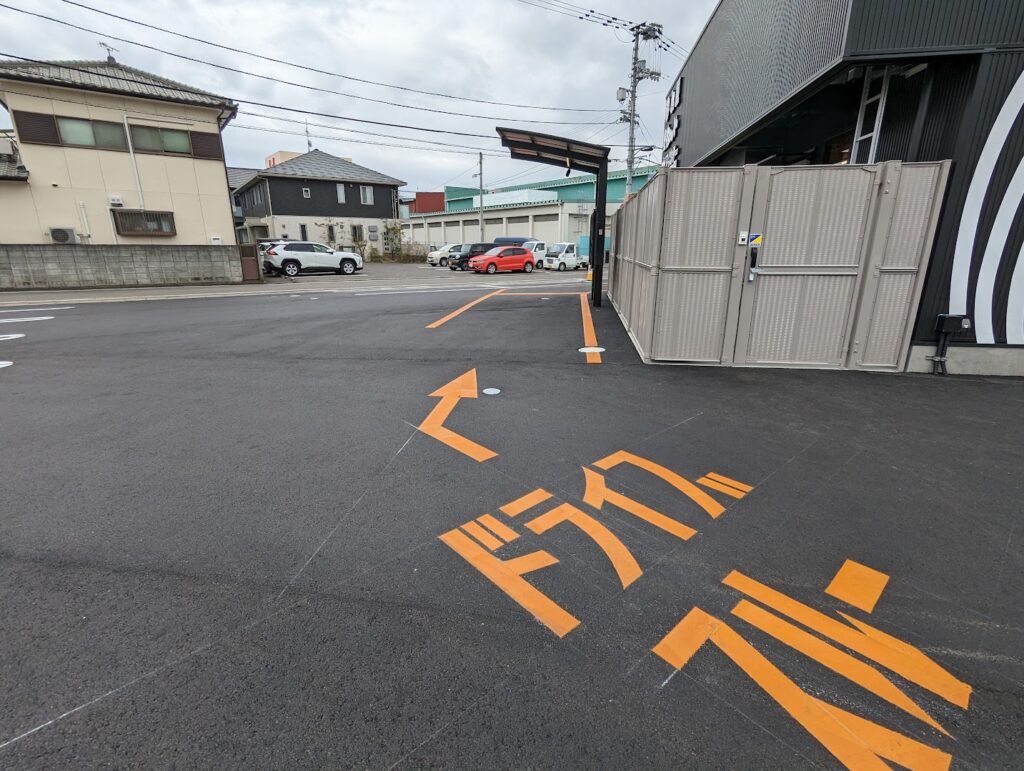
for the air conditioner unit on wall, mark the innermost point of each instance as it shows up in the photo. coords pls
(116, 201)
(63, 236)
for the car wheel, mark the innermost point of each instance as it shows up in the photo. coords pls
(348, 267)
(561, 266)
(290, 268)
(443, 261)
(492, 268)
(528, 267)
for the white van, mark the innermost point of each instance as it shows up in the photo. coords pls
(537, 249)
(563, 256)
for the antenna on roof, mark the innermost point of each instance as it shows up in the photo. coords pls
(110, 52)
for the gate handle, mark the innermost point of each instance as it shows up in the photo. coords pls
(753, 264)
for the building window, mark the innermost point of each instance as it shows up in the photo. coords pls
(136, 222)
(341, 192)
(302, 233)
(357, 232)
(92, 133)
(258, 193)
(305, 192)
(149, 139)
(366, 194)
(330, 233)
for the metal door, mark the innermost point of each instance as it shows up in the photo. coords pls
(701, 259)
(808, 236)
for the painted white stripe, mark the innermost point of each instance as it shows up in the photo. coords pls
(36, 310)
(982, 178)
(1015, 305)
(27, 318)
(984, 332)
(9, 337)
(5, 364)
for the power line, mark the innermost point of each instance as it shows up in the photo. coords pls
(264, 57)
(367, 142)
(294, 84)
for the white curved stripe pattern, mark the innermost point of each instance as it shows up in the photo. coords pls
(1015, 305)
(9, 337)
(984, 332)
(5, 364)
(980, 182)
(27, 318)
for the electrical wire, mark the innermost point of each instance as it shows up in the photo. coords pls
(318, 71)
(294, 84)
(274, 130)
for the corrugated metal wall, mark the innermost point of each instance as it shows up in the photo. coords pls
(899, 25)
(733, 78)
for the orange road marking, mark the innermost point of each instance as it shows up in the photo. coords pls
(463, 309)
(597, 493)
(854, 741)
(731, 482)
(849, 667)
(892, 653)
(686, 487)
(508, 576)
(500, 529)
(540, 294)
(858, 585)
(711, 483)
(482, 536)
(462, 387)
(528, 501)
(589, 335)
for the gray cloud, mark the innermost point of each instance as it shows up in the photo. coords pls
(500, 50)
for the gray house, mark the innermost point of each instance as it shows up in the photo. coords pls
(316, 197)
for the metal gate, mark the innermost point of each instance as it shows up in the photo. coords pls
(792, 266)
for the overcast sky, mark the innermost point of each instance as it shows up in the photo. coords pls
(498, 50)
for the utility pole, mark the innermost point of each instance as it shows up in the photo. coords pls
(309, 142)
(638, 72)
(481, 175)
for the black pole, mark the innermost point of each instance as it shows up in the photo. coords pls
(597, 233)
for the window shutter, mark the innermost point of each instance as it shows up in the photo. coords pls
(36, 128)
(206, 145)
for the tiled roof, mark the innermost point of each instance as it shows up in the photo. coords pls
(9, 168)
(111, 77)
(238, 177)
(316, 164)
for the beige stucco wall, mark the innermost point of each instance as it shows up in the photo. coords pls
(70, 187)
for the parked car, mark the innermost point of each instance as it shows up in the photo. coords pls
(459, 259)
(289, 258)
(562, 256)
(440, 256)
(537, 249)
(503, 258)
(511, 240)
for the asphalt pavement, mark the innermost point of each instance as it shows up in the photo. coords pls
(248, 532)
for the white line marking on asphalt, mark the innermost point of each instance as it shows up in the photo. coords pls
(591, 349)
(5, 364)
(418, 291)
(10, 337)
(36, 310)
(27, 318)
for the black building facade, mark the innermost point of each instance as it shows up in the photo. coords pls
(783, 82)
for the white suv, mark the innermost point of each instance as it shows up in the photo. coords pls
(289, 258)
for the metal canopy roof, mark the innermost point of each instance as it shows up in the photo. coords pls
(525, 145)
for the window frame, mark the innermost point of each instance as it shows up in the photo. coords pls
(120, 213)
(366, 195)
(307, 193)
(342, 195)
(163, 145)
(92, 128)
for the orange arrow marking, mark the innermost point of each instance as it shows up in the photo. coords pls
(462, 387)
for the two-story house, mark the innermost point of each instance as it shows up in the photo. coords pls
(102, 153)
(317, 197)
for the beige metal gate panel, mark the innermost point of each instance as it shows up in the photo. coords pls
(911, 201)
(698, 265)
(452, 232)
(798, 299)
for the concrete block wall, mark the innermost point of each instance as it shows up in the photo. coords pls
(74, 266)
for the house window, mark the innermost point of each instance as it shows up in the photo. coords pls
(136, 222)
(305, 192)
(258, 193)
(366, 194)
(92, 133)
(341, 192)
(149, 139)
(330, 233)
(302, 233)
(357, 232)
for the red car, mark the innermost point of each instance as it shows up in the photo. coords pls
(503, 258)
